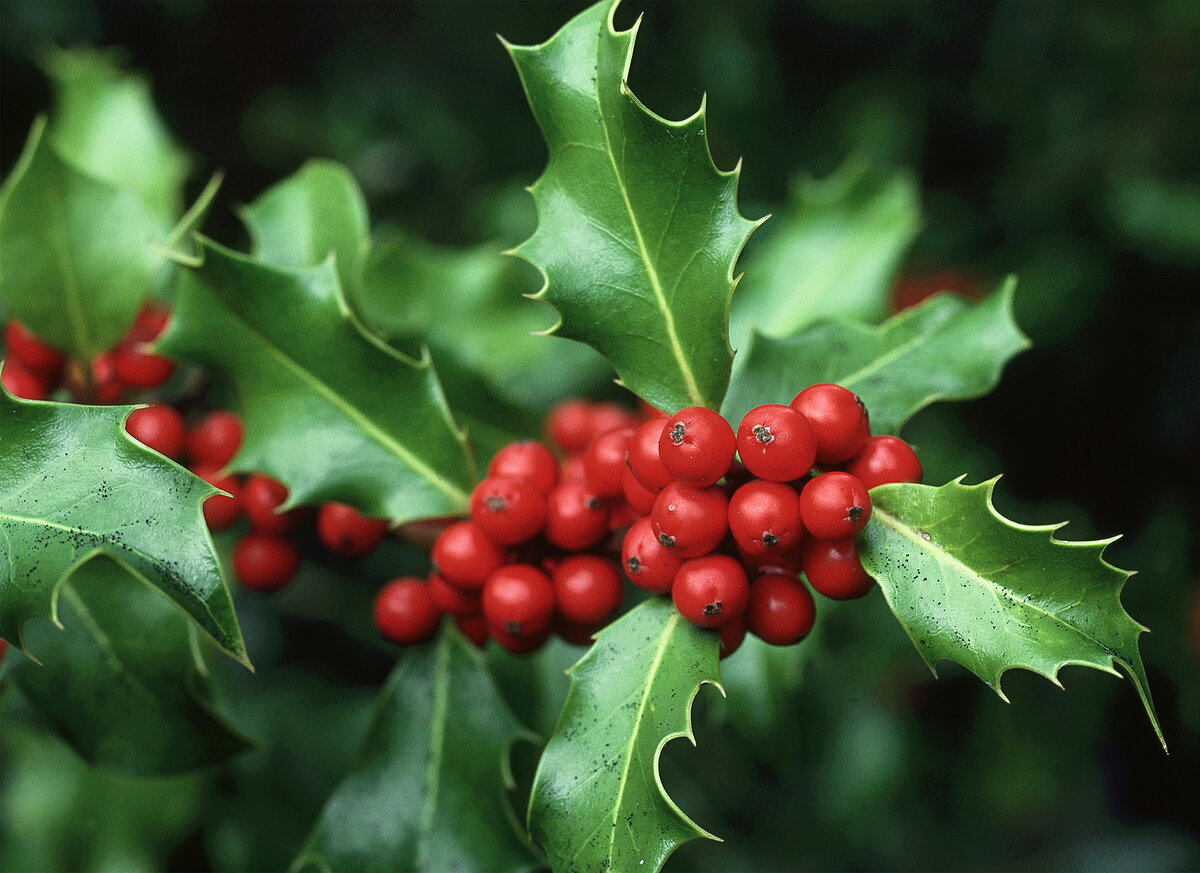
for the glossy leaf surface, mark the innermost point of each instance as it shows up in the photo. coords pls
(637, 230)
(598, 801)
(971, 586)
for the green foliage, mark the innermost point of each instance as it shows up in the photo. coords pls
(968, 585)
(123, 680)
(943, 349)
(74, 485)
(377, 432)
(429, 791)
(638, 231)
(598, 800)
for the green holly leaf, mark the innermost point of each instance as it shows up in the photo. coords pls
(329, 410)
(832, 253)
(74, 485)
(75, 254)
(429, 791)
(638, 231)
(598, 800)
(122, 679)
(943, 349)
(317, 211)
(971, 586)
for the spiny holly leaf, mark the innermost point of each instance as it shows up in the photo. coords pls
(317, 211)
(329, 410)
(74, 485)
(122, 679)
(637, 231)
(971, 586)
(75, 254)
(429, 792)
(832, 253)
(598, 801)
(943, 349)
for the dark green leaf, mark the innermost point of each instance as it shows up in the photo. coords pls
(429, 792)
(943, 349)
(74, 485)
(637, 231)
(329, 410)
(598, 801)
(971, 586)
(122, 679)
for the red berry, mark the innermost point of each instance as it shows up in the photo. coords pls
(265, 561)
(690, 521)
(776, 442)
(569, 425)
(139, 368)
(21, 382)
(646, 561)
(834, 569)
(529, 461)
(151, 321)
(474, 628)
(518, 600)
(697, 445)
(764, 517)
(732, 634)
(215, 439)
(711, 590)
(572, 469)
(261, 498)
(885, 459)
(518, 644)
(3, 650)
(639, 499)
(345, 530)
(221, 511)
(509, 511)
(835, 506)
(838, 418)
(405, 613)
(587, 588)
(453, 601)
(464, 555)
(106, 386)
(576, 516)
(643, 458)
(577, 634)
(160, 427)
(780, 611)
(30, 352)
(604, 460)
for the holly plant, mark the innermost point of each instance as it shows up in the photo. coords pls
(191, 432)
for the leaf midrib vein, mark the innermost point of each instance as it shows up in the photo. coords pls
(437, 745)
(62, 253)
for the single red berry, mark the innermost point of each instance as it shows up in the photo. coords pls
(221, 511)
(775, 442)
(838, 418)
(159, 426)
(646, 561)
(509, 511)
(30, 352)
(587, 588)
(405, 613)
(215, 439)
(345, 530)
(518, 644)
(690, 521)
(885, 459)
(152, 320)
(732, 634)
(3, 650)
(465, 556)
(572, 469)
(711, 590)
(21, 381)
(576, 516)
(640, 499)
(697, 445)
(518, 599)
(107, 387)
(577, 634)
(643, 457)
(621, 515)
(138, 368)
(261, 498)
(569, 425)
(835, 506)
(454, 601)
(764, 517)
(781, 610)
(604, 460)
(265, 561)
(529, 461)
(474, 628)
(834, 569)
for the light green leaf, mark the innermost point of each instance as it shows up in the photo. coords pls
(376, 430)
(832, 253)
(429, 792)
(122, 679)
(638, 231)
(74, 485)
(598, 801)
(971, 586)
(943, 349)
